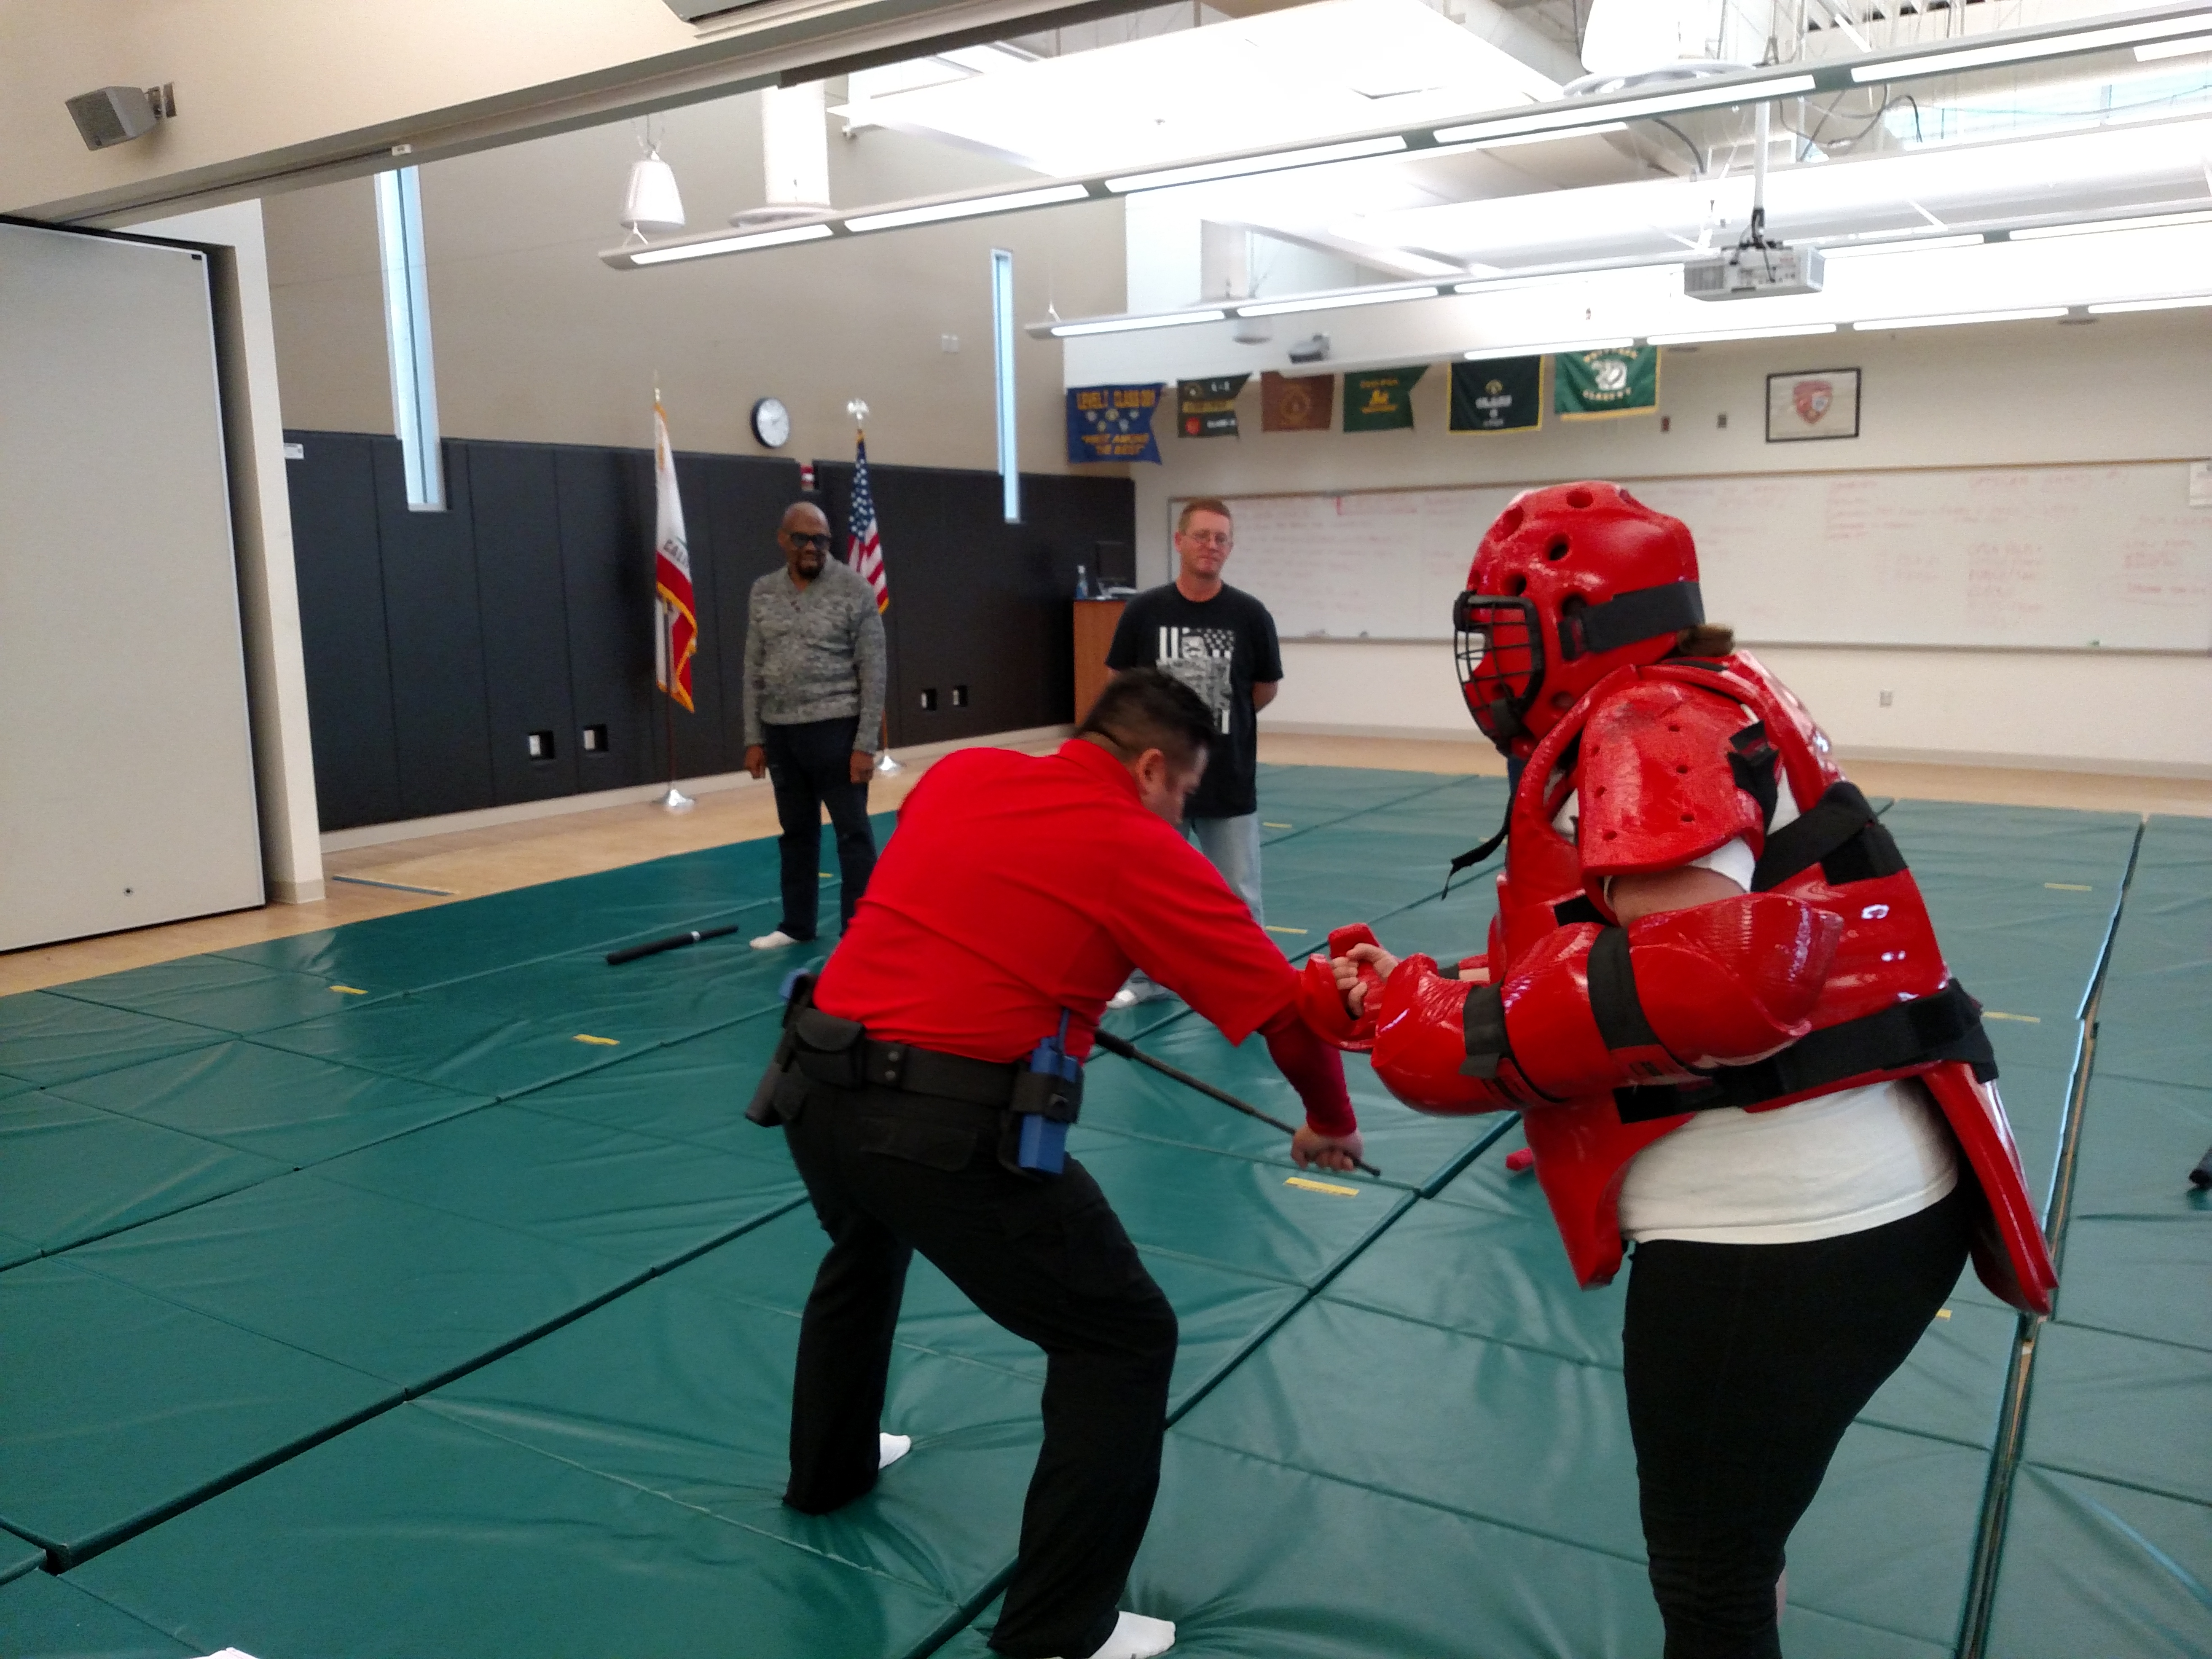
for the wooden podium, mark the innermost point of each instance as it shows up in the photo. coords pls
(1095, 621)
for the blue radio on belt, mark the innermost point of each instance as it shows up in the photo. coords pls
(1047, 1098)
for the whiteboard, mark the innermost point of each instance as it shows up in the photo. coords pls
(2054, 557)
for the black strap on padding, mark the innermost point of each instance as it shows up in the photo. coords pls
(1840, 834)
(1475, 856)
(1643, 613)
(1483, 1019)
(1568, 912)
(1613, 996)
(1945, 1026)
(1751, 759)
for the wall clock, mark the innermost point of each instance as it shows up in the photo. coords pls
(772, 423)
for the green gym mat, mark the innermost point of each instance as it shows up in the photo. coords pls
(646, 1201)
(2122, 1409)
(48, 1039)
(428, 1041)
(69, 1172)
(218, 991)
(2091, 1568)
(1302, 798)
(416, 1534)
(694, 1091)
(2139, 1142)
(18, 1556)
(14, 1249)
(122, 1407)
(405, 1292)
(292, 1108)
(46, 1618)
(688, 1395)
(2138, 1246)
(14, 1085)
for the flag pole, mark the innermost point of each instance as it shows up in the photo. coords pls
(887, 764)
(675, 800)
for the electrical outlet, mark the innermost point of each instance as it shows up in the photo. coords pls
(1888, 697)
(1720, 420)
(948, 343)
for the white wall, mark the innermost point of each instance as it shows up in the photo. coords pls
(2124, 388)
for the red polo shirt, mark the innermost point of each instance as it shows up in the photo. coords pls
(1019, 885)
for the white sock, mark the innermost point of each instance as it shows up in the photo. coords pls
(774, 941)
(890, 1448)
(1136, 1636)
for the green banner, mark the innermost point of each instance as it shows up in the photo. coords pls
(1591, 384)
(1498, 394)
(1382, 400)
(1208, 409)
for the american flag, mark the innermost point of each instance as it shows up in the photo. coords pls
(864, 547)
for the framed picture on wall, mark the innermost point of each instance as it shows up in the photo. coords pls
(1812, 403)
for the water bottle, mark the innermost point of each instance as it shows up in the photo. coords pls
(1082, 583)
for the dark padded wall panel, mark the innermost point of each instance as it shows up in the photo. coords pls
(432, 620)
(606, 540)
(340, 572)
(745, 500)
(515, 513)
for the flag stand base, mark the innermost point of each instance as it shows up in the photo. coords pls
(887, 766)
(677, 801)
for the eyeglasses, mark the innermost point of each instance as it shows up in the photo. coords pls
(1218, 537)
(798, 538)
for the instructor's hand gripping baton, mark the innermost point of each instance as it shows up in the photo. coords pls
(1129, 1050)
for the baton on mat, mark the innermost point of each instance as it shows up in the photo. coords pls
(1129, 1050)
(673, 942)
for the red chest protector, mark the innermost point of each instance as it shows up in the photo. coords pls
(1888, 1008)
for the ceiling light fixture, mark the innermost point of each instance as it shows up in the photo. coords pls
(2189, 48)
(2021, 52)
(1127, 325)
(2177, 303)
(1718, 95)
(1372, 296)
(1480, 353)
(1202, 172)
(1532, 139)
(2097, 226)
(661, 256)
(1008, 202)
(2027, 314)
(1714, 335)
(1900, 244)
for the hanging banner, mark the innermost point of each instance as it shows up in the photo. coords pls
(1590, 385)
(1497, 394)
(1208, 409)
(1299, 402)
(1381, 400)
(1113, 423)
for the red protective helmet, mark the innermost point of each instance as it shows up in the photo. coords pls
(1571, 583)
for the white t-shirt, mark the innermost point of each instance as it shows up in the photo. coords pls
(1837, 1163)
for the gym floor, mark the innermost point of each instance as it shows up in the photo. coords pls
(414, 1287)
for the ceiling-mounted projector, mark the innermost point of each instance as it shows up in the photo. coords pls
(1757, 269)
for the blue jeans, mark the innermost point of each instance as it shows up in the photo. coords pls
(1233, 845)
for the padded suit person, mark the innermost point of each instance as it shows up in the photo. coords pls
(1713, 991)
(1015, 898)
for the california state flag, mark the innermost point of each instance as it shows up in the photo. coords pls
(676, 625)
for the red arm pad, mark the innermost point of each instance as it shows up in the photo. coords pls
(1594, 1009)
(1314, 1070)
(1420, 1044)
(1321, 1005)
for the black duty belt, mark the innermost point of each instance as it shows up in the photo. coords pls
(916, 1070)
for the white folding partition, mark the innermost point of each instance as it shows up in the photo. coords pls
(126, 767)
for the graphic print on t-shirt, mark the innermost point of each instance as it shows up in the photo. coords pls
(1202, 659)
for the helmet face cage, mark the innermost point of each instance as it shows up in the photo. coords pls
(1499, 645)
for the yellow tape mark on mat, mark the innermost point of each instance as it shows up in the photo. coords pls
(1264, 824)
(604, 1042)
(2070, 887)
(1274, 929)
(2025, 1019)
(1320, 1187)
(1943, 1313)
(350, 990)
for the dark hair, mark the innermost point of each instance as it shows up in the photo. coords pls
(1706, 639)
(1145, 708)
(1200, 504)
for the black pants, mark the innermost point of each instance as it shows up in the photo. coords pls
(891, 1174)
(1745, 1363)
(810, 766)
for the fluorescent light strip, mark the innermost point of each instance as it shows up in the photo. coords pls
(1201, 171)
(2032, 314)
(2095, 226)
(1009, 202)
(2110, 307)
(1378, 296)
(1900, 244)
(1550, 350)
(1710, 336)
(1125, 325)
(1555, 120)
(2021, 52)
(661, 256)
(2188, 48)
(1530, 139)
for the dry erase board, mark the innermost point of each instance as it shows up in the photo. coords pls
(2065, 557)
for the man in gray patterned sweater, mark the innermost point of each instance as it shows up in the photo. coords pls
(814, 705)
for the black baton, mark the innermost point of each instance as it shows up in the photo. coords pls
(673, 942)
(1129, 1050)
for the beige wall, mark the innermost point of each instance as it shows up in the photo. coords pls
(536, 340)
(2124, 388)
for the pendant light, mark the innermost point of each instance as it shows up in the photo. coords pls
(652, 204)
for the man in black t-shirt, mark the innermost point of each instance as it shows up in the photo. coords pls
(1221, 643)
